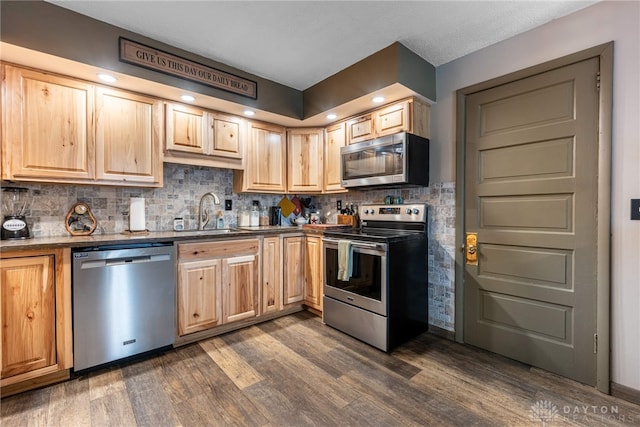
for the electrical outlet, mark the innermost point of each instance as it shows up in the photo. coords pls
(339, 205)
(635, 209)
(228, 205)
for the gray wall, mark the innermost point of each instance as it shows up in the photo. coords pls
(598, 24)
(51, 29)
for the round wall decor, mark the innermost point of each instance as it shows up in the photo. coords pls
(80, 220)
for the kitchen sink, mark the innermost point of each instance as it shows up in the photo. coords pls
(216, 231)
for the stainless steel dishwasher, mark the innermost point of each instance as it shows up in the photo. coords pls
(123, 302)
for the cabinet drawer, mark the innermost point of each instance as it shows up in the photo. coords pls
(223, 248)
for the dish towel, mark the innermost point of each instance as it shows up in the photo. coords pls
(345, 260)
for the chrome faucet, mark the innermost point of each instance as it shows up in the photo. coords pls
(203, 214)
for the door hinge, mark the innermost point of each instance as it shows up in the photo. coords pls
(595, 343)
(598, 81)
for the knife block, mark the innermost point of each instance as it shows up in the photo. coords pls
(347, 219)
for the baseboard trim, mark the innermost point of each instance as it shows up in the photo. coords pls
(37, 382)
(223, 329)
(435, 330)
(625, 393)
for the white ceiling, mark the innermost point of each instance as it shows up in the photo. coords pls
(299, 43)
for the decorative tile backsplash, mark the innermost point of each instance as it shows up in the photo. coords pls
(184, 185)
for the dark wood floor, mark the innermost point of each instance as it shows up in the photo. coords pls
(295, 371)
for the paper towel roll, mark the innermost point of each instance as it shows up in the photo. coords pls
(136, 214)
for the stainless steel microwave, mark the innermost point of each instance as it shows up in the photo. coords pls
(394, 160)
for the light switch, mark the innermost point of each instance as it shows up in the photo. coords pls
(635, 209)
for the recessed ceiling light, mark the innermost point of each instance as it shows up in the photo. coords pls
(332, 116)
(249, 113)
(188, 98)
(378, 99)
(107, 78)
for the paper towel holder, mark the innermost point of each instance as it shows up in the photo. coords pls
(80, 220)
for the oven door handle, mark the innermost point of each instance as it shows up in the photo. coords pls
(378, 246)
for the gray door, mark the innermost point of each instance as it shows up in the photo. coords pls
(531, 188)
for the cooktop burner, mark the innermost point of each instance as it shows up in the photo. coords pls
(387, 222)
(374, 234)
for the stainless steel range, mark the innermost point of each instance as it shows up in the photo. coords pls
(383, 302)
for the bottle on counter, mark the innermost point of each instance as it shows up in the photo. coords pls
(264, 215)
(254, 216)
(243, 216)
(220, 221)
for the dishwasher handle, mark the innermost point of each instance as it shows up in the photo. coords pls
(112, 262)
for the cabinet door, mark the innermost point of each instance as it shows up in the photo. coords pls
(128, 135)
(393, 119)
(313, 274)
(336, 138)
(293, 269)
(199, 295)
(271, 275)
(305, 160)
(226, 135)
(240, 288)
(48, 131)
(360, 128)
(186, 129)
(28, 314)
(265, 168)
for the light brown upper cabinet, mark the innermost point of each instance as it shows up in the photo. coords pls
(200, 137)
(409, 115)
(186, 129)
(265, 160)
(334, 140)
(47, 127)
(227, 131)
(59, 129)
(305, 152)
(128, 138)
(361, 128)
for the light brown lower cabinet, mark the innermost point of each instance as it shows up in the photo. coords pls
(293, 269)
(217, 283)
(272, 270)
(36, 317)
(303, 267)
(199, 295)
(313, 272)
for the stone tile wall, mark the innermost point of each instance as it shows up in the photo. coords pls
(184, 185)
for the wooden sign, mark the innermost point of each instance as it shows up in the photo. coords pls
(145, 56)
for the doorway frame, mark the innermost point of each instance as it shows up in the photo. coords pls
(604, 53)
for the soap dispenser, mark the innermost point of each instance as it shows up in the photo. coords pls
(220, 221)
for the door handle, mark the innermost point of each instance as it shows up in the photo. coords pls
(471, 248)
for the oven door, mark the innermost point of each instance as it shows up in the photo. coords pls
(367, 287)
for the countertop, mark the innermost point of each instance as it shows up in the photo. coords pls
(152, 236)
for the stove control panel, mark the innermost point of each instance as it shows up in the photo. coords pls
(395, 213)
